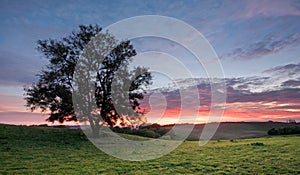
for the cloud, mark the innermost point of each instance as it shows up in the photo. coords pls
(282, 96)
(289, 69)
(24, 118)
(247, 97)
(16, 69)
(268, 45)
(243, 89)
(271, 8)
(287, 107)
(291, 83)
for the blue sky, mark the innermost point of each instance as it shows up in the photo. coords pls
(250, 37)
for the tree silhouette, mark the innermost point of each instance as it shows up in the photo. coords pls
(105, 91)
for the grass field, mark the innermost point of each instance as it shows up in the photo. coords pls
(42, 150)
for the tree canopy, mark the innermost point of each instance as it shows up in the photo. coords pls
(113, 82)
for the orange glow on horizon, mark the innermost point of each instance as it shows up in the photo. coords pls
(236, 112)
(12, 111)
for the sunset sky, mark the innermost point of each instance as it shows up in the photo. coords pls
(257, 41)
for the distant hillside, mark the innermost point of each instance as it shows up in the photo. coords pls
(225, 131)
(238, 130)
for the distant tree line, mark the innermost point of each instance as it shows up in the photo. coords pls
(284, 131)
(152, 131)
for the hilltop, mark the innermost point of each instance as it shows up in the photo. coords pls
(225, 131)
(240, 130)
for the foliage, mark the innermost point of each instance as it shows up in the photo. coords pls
(257, 144)
(284, 131)
(152, 131)
(53, 92)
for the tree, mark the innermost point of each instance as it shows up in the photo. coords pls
(112, 81)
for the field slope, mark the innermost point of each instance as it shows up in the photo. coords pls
(241, 130)
(43, 150)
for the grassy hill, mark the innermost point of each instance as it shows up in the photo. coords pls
(44, 150)
(239, 130)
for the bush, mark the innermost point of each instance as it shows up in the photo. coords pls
(152, 133)
(257, 144)
(284, 131)
(191, 138)
(273, 131)
(147, 133)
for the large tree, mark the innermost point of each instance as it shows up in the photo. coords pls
(113, 82)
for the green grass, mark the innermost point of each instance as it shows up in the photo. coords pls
(39, 150)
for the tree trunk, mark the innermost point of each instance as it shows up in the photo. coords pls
(95, 129)
(95, 132)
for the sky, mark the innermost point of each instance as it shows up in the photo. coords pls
(257, 41)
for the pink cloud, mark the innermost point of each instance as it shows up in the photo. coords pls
(11, 103)
(22, 118)
(270, 8)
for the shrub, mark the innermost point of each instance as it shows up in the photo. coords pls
(284, 131)
(192, 138)
(140, 132)
(273, 131)
(147, 133)
(257, 144)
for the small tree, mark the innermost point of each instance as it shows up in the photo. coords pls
(110, 74)
(291, 121)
